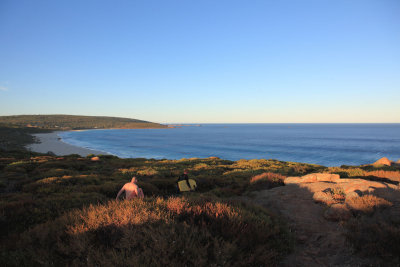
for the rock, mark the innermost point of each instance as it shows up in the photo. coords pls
(360, 185)
(95, 159)
(337, 212)
(292, 180)
(323, 197)
(371, 190)
(326, 177)
(313, 177)
(383, 161)
(352, 194)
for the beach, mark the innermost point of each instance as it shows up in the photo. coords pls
(53, 143)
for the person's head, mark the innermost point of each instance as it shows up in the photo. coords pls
(134, 180)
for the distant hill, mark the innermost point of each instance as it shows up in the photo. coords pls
(73, 122)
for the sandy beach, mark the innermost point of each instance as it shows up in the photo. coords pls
(52, 142)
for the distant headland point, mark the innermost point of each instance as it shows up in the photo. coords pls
(76, 122)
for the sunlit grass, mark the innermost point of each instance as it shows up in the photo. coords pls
(156, 231)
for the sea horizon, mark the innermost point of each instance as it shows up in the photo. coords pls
(328, 144)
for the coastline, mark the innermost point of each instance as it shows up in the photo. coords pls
(52, 142)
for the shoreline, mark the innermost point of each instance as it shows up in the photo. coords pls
(52, 142)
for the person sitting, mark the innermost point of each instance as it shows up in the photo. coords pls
(131, 190)
(184, 177)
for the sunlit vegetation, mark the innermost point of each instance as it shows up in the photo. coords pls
(367, 204)
(266, 180)
(176, 231)
(75, 122)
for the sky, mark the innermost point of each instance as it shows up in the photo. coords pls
(215, 61)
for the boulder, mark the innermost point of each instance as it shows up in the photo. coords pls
(292, 180)
(383, 161)
(313, 177)
(95, 159)
(353, 194)
(337, 212)
(325, 177)
(360, 186)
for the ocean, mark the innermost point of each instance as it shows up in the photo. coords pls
(324, 144)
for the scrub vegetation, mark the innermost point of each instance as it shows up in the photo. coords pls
(61, 211)
(71, 122)
(52, 208)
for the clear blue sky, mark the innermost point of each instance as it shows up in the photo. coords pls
(202, 61)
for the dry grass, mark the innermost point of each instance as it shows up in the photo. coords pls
(375, 236)
(338, 194)
(266, 180)
(373, 232)
(367, 203)
(267, 176)
(158, 232)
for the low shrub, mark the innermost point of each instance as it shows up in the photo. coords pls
(149, 189)
(165, 186)
(375, 236)
(147, 172)
(200, 166)
(266, 180)
(158, 232)
(367, 203)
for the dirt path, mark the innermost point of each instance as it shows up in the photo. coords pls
(319, 242)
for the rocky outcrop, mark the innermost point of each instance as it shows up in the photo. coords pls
(383, 161)
(313, 177)
(361, 186)
(315, 209)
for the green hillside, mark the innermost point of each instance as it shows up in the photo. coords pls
(72, 122)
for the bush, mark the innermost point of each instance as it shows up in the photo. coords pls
(367, 203)
(148, 172)
(158, 232)
(266, 180)
(375, 236)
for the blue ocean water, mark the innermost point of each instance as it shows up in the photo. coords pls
(325, 144)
